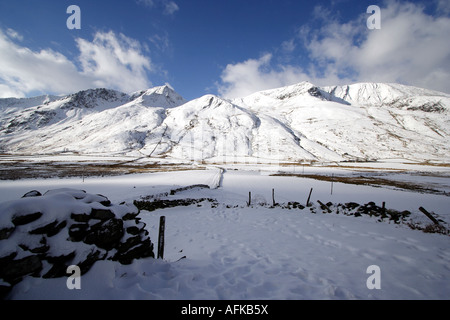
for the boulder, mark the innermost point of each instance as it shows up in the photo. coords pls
(13, 270)
(59, 265)
(22, 219)
(6, 232)
(80, 217)
(102, 214)
(78, 231)
(50, 229)
(143, 250)
(40, 247)
(133, 230)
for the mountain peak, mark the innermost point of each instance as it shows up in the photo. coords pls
(91, 98)
(160, 97)
(287, 92)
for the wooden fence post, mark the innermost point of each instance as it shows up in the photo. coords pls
(429, 215)
(332, 179)
(307, 201)
(162, 226)
(249, 199)
(273, 197)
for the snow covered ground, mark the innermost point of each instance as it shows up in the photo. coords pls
(237, 252)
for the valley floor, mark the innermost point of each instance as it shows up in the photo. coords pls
(232, 250)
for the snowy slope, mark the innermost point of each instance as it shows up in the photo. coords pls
(215, 129)
(89, 121)
(302, 122)
(361, 121)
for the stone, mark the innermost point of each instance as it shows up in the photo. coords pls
(102, 214)
(50, 229)
(91, 258)
(105, 202)
(130, 216)
(142, 250)
(14, 270)
(80, 217)
(6, 259)
(352, 205)
(78, 231)
(19, 220)
(133, 230)
(33, 193)
(106, 235)
(60, 264)
(6, 232)
(129, 243)
(41, 248)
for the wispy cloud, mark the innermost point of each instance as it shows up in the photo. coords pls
(168, 7)
(412, 47)
(13, 34)
(161, 41)
(110, 60)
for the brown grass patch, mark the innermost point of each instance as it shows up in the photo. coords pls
(45, 170)
(368, 181)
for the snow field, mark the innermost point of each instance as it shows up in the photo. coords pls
(237, 252)
(261, 253)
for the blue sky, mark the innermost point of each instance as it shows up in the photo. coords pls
(225, 47)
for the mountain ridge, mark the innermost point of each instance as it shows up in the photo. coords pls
(301, 122)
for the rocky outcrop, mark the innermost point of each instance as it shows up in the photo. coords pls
(41, 235)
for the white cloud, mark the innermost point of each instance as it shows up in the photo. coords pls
(7, 92)
(412, 47)
(110, 60)
(443, 6)
(241, 79)
(23, 70)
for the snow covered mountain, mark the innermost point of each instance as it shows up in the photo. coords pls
(302, 122)
(365, 121)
